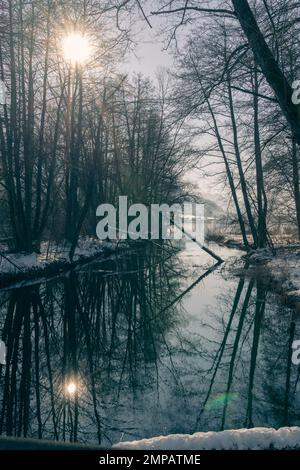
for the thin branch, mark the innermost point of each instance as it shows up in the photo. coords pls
(215, 11)
(143, 13)
(249, 92)
(184, 11)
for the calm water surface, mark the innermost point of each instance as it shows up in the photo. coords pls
(147, 343)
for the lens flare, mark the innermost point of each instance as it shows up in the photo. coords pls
(71, 388)
(76, 48)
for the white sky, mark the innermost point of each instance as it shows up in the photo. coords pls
(150, 52)
(149, 55)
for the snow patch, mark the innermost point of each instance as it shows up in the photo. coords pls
(50, 253)
(237, 439)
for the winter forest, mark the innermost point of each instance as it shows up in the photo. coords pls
(76, 133)
(118, 340)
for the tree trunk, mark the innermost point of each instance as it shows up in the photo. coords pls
(240, 167)
(261, 205)
(296, 183)
(265, 59)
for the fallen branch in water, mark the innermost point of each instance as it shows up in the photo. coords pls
(204, 248)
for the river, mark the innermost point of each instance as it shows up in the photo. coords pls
(146, 343)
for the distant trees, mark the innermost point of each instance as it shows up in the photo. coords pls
(75, 135)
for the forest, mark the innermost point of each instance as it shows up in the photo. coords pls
(76, 131)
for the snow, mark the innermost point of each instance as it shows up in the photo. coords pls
(237, 439)
(282, 268)
(49, 254)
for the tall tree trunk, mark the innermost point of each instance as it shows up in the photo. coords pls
(270, 68)
(13, 147)
(261, 202)
(40, 155)
(240, 166)
(296, 183)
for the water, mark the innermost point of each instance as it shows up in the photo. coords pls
(148, 343)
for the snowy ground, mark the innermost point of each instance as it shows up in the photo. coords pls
(283, 270)
(50, 255)
(238, 439)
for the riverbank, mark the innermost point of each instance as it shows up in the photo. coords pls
(281, 270)
(52, 259)
(287, 438)
(19, 443)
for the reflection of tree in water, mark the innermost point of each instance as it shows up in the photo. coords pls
(103, 352)
(250, 380)
(75, 344)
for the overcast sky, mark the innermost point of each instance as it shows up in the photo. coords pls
(148, 56)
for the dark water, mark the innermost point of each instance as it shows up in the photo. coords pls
(144, 344)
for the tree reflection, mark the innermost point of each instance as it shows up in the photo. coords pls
(111, 350)
(72, 339)
(255, 347)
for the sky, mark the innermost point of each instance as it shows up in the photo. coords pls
(148, 56)
(150, 52)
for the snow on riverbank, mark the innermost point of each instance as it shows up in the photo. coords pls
(52, 258)
(283, 269)
(238, 439)
(11, 262)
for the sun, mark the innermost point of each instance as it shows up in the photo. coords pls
(76, 48)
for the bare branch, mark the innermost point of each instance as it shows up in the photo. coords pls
(249, 92)
(143, 13)
(215, 11)
(184, 11)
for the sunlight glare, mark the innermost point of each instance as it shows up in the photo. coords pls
(76, 48)
(71, 388)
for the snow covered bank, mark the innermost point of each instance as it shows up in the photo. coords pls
(52, 258)
(283, 270)
(237, 439)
